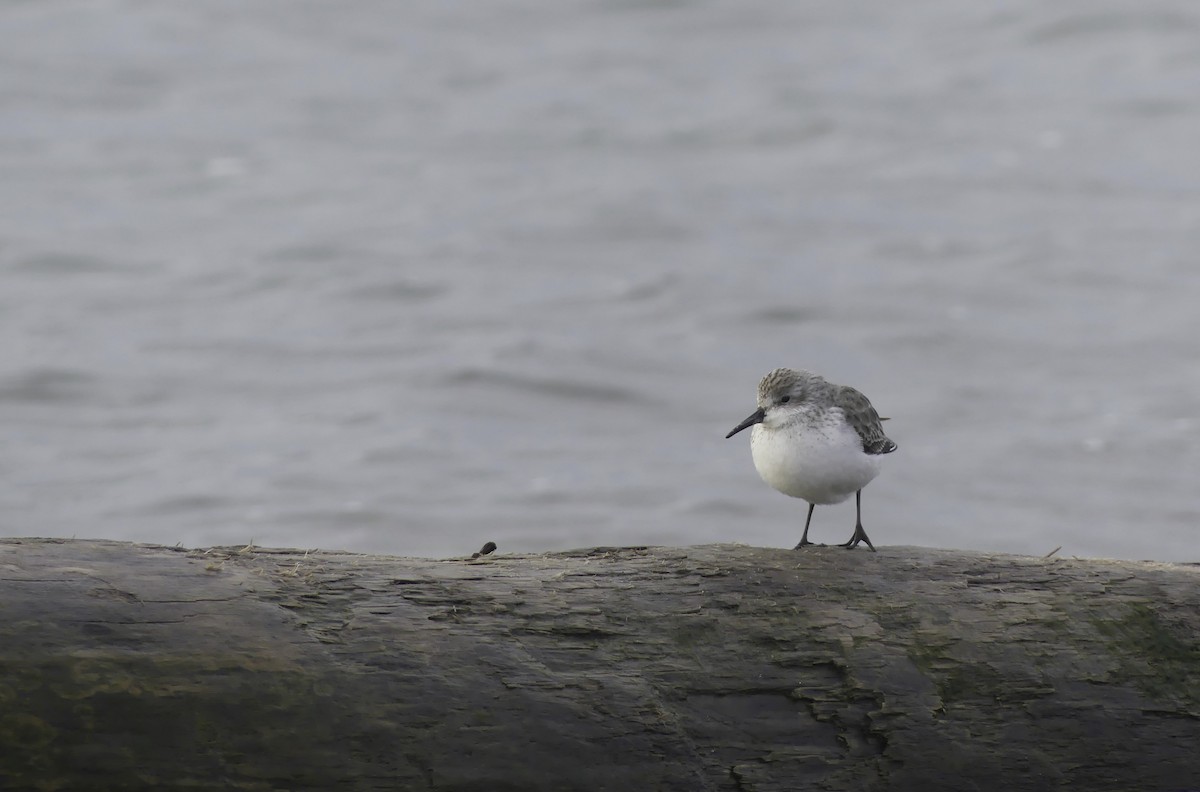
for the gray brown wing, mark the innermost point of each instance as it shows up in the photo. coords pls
(862, 416)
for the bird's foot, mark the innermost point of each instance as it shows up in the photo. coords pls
(805, 543)
(859, 536)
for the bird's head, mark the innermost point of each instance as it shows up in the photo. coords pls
(780, 394)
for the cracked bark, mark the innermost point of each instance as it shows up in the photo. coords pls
(702, 668)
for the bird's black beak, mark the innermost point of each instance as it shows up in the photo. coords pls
(755, 417)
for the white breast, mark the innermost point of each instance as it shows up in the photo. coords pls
(821, 461)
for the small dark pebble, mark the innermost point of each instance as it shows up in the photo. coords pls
(488, 548)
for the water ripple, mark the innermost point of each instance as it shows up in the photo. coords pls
(555, 387)
(47, 385)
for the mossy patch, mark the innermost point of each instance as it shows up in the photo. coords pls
(126, 718)
(956, 680)
(1158, 657)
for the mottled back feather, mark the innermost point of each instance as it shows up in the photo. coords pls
(862, 416)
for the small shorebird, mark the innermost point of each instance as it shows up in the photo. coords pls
(817, 441)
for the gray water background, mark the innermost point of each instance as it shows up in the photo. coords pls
(406, 277)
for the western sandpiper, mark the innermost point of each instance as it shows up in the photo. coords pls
(817, 441)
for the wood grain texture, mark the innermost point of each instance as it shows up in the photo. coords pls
(724, 667)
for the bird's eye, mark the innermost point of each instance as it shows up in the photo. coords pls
(785, 400)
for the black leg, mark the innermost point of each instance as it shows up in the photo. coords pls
(804, 539)
(859, 534)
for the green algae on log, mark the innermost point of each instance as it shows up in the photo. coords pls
(725, 667)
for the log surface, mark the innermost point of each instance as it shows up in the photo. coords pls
(723, 667)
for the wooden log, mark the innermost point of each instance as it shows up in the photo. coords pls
(726, 667)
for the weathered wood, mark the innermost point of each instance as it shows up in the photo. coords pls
(704, 668)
